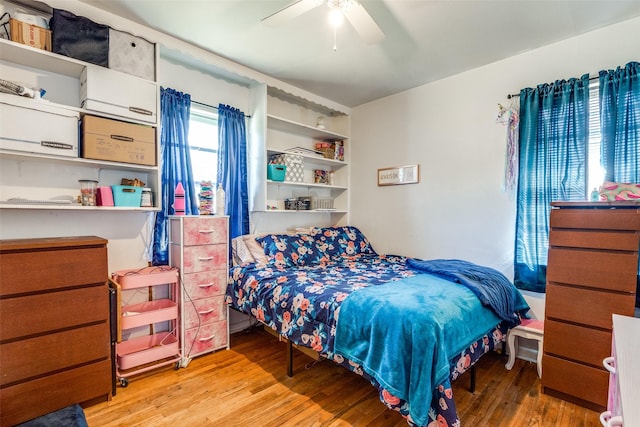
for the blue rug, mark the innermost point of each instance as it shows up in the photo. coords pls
(71, 416)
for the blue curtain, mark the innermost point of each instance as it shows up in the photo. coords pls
(620, 123)
(554, 126)
(175, 163)
(232, 168)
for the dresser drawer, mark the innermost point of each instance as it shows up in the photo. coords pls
(51, 269)
(25, 401)
(203, 311)
(579, 343)
(205, 284)
(200, 231)
(586, 306)
(40, 313)
(206, 338)
(596, 219)
(37, 356)
(200, 258)
(606, 270)
(581, 381)
(607, 240)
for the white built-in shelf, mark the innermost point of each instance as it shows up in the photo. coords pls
(289, 126)
(76, 161)
(316, 160)
(307, 185)
(327, 211)
(75, 207)
(41, 59)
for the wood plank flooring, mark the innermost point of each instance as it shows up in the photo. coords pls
(248, 386)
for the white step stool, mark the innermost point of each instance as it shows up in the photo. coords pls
(531, 329)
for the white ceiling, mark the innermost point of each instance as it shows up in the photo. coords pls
(426, 40)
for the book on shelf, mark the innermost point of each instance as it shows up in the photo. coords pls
(304, 152)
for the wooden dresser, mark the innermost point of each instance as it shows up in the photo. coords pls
(55, 345)
(199, 248)
(592, 273)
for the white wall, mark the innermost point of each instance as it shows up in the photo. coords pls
(458, 210)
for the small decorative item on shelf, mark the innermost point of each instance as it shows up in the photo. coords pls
(339, 150)
(291, 204)
(132, 182)
(206, 198)
(304, 203)
(326, 148)
(146, 200)
(220, 201)
(322, 204)
(88, 192)
(178, 200)
(321, 176)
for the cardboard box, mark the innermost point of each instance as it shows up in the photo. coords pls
(30, 35)
(112, 140)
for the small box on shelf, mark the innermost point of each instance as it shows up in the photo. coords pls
(31, 35)
(276, 172)
(127, 195)
(116, 141)
(331, 149)
(294, 166)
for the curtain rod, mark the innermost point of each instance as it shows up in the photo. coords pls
(212, 106)
(515, 95)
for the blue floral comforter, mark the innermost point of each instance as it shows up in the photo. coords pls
(302, 303)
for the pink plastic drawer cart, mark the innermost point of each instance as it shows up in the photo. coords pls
(160, 347)
(199, 249)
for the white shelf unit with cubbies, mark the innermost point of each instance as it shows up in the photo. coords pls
(292, 122)
(33, 179)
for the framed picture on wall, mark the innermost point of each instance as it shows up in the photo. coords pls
(399, 175)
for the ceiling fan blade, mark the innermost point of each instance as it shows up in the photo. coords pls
(289, 12)
(364, 23)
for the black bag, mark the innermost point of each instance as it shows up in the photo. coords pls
(79, 37)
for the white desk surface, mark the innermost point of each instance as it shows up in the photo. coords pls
(627, 341)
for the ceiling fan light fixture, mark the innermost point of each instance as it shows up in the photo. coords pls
(336, 17)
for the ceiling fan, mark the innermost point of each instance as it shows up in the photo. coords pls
(353, 10)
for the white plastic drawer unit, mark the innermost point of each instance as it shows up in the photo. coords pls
(113, 92)
(38, 128)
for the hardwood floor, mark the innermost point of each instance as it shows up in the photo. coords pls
(248, 386)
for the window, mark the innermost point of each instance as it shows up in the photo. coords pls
(203, 144)
(595, 172)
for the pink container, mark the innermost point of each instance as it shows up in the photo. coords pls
(146, 276)
(146, 349)
(147, 313)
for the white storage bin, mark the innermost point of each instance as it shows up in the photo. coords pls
(114, 92)
(45, 130)
(131, 54)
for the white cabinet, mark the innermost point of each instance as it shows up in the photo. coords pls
(293, 125)
(44, 171)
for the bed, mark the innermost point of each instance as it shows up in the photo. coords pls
(409, 326)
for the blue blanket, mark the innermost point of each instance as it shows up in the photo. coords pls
(488, 284)
(404, 333)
